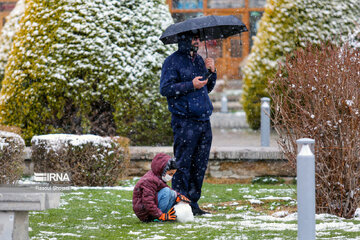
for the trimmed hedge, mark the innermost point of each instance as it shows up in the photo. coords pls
(11, 157)
(285, 26)
(89, 67)
(89, 160)
(275, 36)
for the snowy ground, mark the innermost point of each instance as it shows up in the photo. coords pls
(238, 212)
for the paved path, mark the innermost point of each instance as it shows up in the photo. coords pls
(239, 138)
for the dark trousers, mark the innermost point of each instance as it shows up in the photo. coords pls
(192, 143)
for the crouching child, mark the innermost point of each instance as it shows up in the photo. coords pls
(153, 199)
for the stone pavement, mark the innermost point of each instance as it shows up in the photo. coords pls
(240, 137)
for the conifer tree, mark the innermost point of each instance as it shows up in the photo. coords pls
(7, 33)
(88, 66)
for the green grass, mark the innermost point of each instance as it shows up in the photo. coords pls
(108, 214)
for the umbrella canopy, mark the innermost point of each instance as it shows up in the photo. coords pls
(210, 27)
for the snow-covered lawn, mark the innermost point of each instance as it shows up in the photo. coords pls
(238, 212)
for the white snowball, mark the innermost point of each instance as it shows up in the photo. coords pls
(183, 212)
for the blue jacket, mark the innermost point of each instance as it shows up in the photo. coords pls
(178, 71)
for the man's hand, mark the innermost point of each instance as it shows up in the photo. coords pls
(182, 198)
(197, 83)
(210, 64)
(169, 216)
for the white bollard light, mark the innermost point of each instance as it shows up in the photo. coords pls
(306, 189)
(224, 104)
(265, 122)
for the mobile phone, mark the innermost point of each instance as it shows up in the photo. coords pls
(207, 75)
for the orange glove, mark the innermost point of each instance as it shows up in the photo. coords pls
(169, 216)
(182, 198)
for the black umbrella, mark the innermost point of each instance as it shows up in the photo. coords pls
(210, 27)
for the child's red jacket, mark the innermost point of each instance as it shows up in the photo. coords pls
(145, 200)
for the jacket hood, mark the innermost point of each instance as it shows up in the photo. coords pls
(159, 163)
(184, 42)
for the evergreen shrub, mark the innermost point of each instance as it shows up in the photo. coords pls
(7, 34)
(11, 157)
(88, 67)
(89, 160)
(316, 94)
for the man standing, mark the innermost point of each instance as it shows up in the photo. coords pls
(186, 81)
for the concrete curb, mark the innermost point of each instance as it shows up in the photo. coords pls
(216, 153)
(224, 162)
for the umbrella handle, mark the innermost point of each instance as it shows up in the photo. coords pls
(206, 54)
(206, 49)
(203, 31)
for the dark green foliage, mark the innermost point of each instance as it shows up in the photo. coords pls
(88, 67)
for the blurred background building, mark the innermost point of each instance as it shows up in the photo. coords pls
(228, 53)
(5, 8)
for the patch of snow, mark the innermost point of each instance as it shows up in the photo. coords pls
(234, 204)
(280, 214)
(63, 203)
(68, 234)
(57, 140)
(276, 198)
(255, 201)
(357, 213)
(77, 193)
(131, 188)
(28, 181)
(155, 237)
(248, 196)
(242, 208)
(209, 206)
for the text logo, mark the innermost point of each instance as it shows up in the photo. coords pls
(51, 177)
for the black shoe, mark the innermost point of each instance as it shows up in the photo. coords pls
(199, 212)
